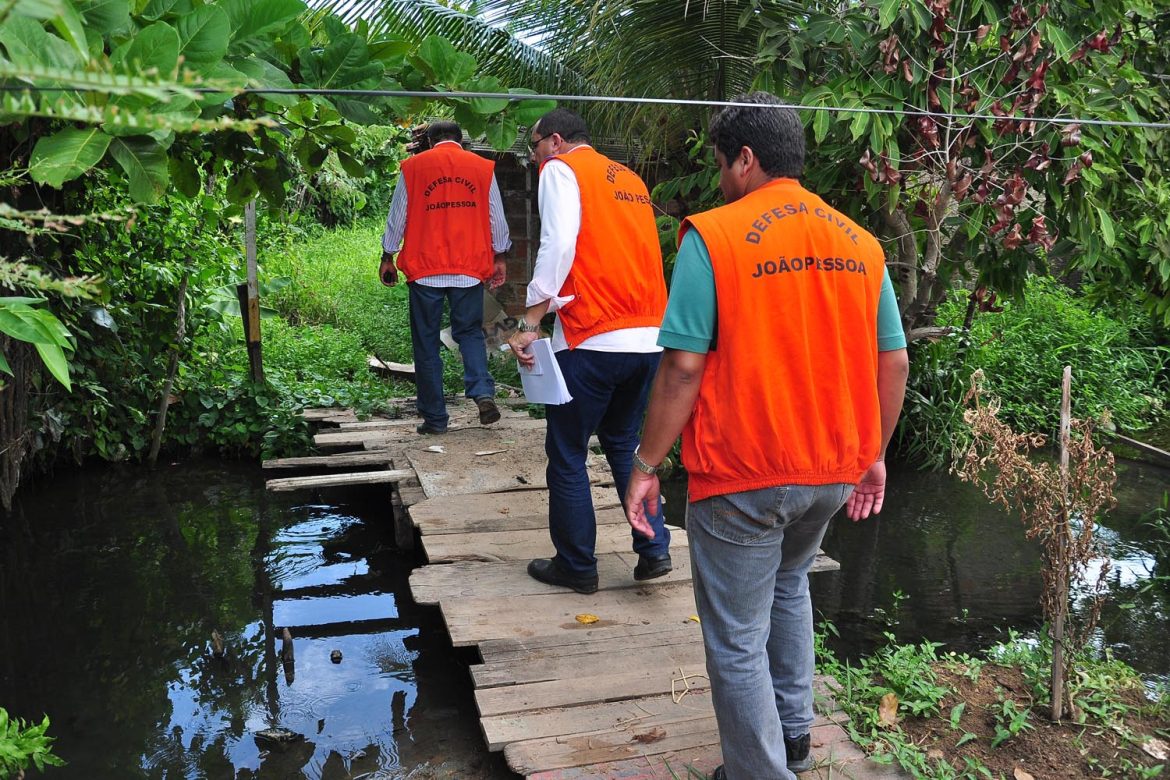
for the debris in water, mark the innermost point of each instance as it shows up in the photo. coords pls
(335, 656)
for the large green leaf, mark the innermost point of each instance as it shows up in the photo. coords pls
(446, 63)
(343, 63)
(262, 73)
(486, 105)
(105, 16)
(204, 35)
(67, 154)
(70, 26)
(527, 112)
(55, 361)
(252, 18)
(145, 164)
(156, 46)
(501, 132)
(30, 330)
(29, 45)
(157, 9)
(185, 175)
(37, 9)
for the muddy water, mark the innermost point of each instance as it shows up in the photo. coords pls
(113, 580)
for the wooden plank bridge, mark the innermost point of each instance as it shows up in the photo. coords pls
(606, 685)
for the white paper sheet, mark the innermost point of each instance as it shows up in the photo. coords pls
(543, 383)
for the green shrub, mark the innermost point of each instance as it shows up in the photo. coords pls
(23, 745)
(1117, 368)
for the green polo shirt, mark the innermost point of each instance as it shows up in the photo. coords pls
(691, 312)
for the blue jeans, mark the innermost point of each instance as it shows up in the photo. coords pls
(750, 556)
(426, 319)
(609, 392)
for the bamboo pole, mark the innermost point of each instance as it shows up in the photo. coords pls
(250, 308)
(1060, 565)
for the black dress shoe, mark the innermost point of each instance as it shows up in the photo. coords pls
(549, 572)
(429, 430)
(648, 568)
(719, 774)
(488, 411)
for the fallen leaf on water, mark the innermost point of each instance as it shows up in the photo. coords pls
(693, 619)
(888, 710)
(1020, 774)
(488, 452)
(1158, 748)
(436, 448)
(586, 619)
(653, 735)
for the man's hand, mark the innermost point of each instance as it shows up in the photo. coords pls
(642, 491)
(868, 496)
(519, 344)
(500, 275)
(387, 272)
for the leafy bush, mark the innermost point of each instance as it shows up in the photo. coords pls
(1117, 368)
(24, 744)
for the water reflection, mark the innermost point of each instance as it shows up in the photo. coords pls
(112, 583)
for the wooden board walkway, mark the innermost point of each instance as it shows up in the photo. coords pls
(606, 685)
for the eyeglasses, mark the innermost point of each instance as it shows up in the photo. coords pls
(533, 144)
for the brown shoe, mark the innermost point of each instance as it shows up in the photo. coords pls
(488, 411)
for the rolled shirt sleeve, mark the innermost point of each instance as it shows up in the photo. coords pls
(395, 219)
(501, 236)
(559, 199)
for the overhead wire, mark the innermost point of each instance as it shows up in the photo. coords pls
(455, 94)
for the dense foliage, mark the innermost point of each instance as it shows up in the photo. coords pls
(1119, 368)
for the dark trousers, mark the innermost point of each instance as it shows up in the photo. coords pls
(426, 319)
(609, 390)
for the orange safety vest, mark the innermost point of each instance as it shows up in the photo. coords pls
(616, 276)
(789, 392)
(448, 229)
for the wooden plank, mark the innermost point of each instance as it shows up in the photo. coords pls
(1146, 449)
(570, 643)
(611, 685)
(650, 711)
(391, 369)
(472, 620)
(673, 765)
(337, 480)
(522, 545)
(451, 512)
(468, 526)
(320, 414)
(538, 664)
(540, 755)
(428, 584)
(625, 715)
(685, 650)
(342, 460)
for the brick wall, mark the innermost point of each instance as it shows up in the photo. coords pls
(517, 180)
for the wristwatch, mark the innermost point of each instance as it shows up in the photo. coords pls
(643, 466)
(524, 327)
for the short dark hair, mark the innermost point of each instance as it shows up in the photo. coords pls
(565, 123)
(775, 135)
(444, 131)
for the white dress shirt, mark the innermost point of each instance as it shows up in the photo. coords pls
(396, 228)
(559, 200)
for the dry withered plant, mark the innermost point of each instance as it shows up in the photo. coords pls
(1058, 503)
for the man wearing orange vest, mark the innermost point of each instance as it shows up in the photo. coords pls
(447, 215)
(784, 370)
(599, 267)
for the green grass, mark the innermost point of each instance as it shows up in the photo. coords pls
(334, 281)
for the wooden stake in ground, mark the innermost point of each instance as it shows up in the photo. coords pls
(1062, 543)
(250, 300)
